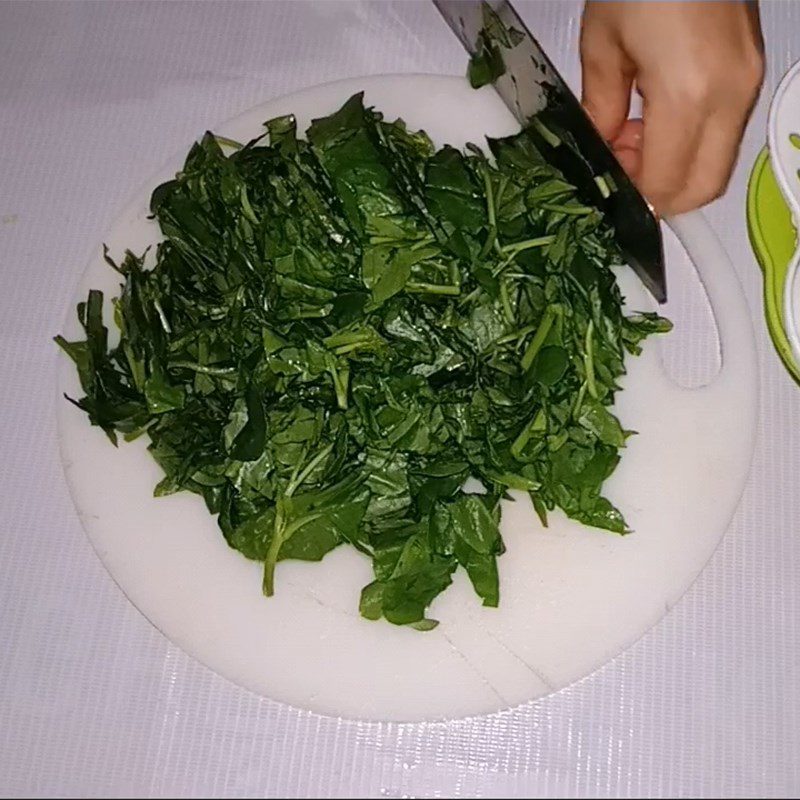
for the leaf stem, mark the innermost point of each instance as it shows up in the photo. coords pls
(297, 481)
(268, 581)
(516, 335)
(340, 382)
(588, 360)
(162, 316)
(205, 369)
(538, 338)
(574, 210)
(527, 244)
(491, 238)
(281, 532)
(538, 423)
(432, 288)
(506, 301)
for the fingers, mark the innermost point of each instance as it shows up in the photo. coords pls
(690, 156)
(629, 136)
(627, 147)
(712, 166)
(630, 160)
(607, 77)
(671, 138)
(698, 67)
(691, 139)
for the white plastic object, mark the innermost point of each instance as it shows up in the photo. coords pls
(783, 127)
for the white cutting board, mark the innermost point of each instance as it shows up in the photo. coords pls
(571, 597)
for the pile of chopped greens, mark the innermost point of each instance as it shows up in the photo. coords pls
(339, 332)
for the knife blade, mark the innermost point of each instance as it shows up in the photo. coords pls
(537, 95)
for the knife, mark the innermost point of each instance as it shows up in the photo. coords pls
(506, 53)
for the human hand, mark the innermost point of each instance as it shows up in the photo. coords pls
(699, 68)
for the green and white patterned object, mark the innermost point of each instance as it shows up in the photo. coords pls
(773, 211)
(773, 238)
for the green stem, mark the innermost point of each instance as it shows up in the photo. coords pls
(510, 251)
(317, 313)
(602, 185)
(206, 370)
(576, 210)
(278, 539)
(281, 531)
(579, 401)
(546, 133)
(491, 238)
(298, 480)
(247, 210)
(344, 349)
(162, 316)
(268, 581)
(500, 192)
(423, 242)
(588, 360)
(340, 382)
(538, 338)
(536, 424)
(432, 288)
(487, 185)
(469, 297)
(491, 241)
(506, 301)
(516, 335)
(527, 244)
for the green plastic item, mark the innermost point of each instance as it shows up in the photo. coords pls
(774, 241)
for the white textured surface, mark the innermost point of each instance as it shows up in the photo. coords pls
(93, 701)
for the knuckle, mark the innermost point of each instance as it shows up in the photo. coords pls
(661, 199)
(698, 197)
(593, 64)
(672, 182)
(753, 69)
(697, 89)
(591, 51)
(722, 80)
(710, 194)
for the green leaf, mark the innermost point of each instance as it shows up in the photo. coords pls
(482, 571)
(249, 442)
(80, 354)
(598, 420)
(371, 603)
(474, 523)
(161, 395)
(253, 536)
(411, 590)
(486, 64)
(550, 365)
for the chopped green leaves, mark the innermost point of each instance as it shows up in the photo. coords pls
(338, 333)
(486, 64)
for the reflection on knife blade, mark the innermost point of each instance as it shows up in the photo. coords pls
(503, 52)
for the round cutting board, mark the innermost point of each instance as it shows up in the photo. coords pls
(571, 597)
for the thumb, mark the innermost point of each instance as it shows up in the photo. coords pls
(627, 147)
(607, 77)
